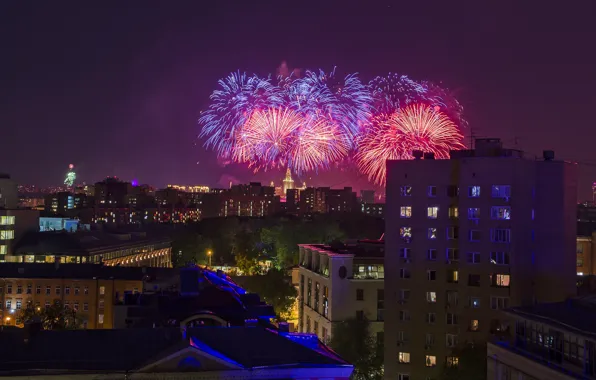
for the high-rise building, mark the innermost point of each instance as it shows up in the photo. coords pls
(111, 192)
(367, 196)
(466, 237)
(9, 198)
(288, 182)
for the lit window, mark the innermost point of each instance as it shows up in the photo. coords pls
(500, 235)
(19, 303)
(473, 213)
(100, 319)
(473, 257)
(3, 249)
(452, 276)
(102, 290)
(432, 212)
(6, 235)
(405, 211)
(6, 220)
(501, 191)
(499, 258)
(432, 233)
(431, 360)
(431, 254)
(405, 232)
(432, 191)
(453, 212)
(431, 297)
(404, 357)
(474, 191)
(406, 191)
(500, 280)
(474, 325)
(501, 212)
(452, 361)
(475, 302)
(451, 340)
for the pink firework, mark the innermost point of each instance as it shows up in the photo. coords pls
(282, 137)
(395, 136)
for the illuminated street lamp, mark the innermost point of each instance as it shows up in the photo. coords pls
(209, 254)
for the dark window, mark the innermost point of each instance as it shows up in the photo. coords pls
(360, 315)
(452, 191)
(359, 294)
(473, 280)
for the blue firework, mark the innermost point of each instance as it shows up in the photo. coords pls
(231, 106)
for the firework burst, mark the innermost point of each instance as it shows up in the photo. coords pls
(232, 104)
(394, 136)
(282, 137)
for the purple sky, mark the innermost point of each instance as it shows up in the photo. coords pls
(116, 87)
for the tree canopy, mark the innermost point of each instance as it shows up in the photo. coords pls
(275, 288)
(353, 341)
(55, 317)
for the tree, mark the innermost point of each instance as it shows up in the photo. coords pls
(353, 341)
(276, 289)
(471, 364)
(55, 317)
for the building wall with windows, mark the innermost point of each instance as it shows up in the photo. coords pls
(335, 286)
(466, 237)
(586, 266)
(549, 341)
(93, 299)
(13, 224)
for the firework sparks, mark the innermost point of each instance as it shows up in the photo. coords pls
(282, 137)
(395, 136)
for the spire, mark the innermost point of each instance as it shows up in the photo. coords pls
(288, 175)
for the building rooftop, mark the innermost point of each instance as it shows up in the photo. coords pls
(363, 249)
(129, 350)
(82, 242)
(576, 314)
(82, 271)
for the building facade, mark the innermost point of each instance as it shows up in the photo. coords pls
(554, 341)
(340, 284)
(466, 237)
(91, 290)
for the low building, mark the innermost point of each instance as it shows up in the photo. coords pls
(374, 209)
(14, 223)
(92, 290)
(553, 341)
(136, 249)
(340, 283)
(169, 353)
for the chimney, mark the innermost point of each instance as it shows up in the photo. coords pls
(417, 154)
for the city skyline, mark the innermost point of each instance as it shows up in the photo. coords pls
(524, 80)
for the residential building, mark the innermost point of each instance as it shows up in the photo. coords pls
(251, 353)
(14, 223)
(367, 196)
(555, 341)
(585, 250)
(9, 197)
(341, 200)
(339, 283)
(135, 248)
(313, 200)
(482, 231)
(373, 209)
(92, 290)
(111, 192)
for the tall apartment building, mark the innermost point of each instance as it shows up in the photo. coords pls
(337, 284)
(465, 237)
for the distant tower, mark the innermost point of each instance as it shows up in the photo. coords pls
(71, 176)
(594, 193)
(288, 182)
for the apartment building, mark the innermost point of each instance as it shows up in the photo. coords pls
(554, 341)
(485, 230)
(91, 290)
(339, 283)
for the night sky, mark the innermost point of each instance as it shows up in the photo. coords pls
(116, 87)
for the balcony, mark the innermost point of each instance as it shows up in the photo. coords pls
(550, 358)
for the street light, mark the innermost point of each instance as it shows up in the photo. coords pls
(209, 253)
